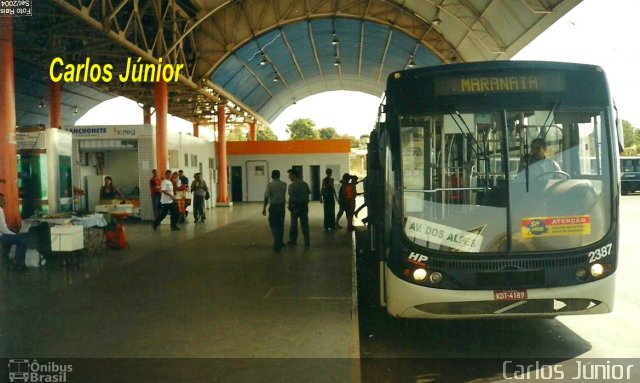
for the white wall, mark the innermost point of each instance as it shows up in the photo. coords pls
(283, 162)
(118, 165)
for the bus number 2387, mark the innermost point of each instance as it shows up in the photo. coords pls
(600, 253)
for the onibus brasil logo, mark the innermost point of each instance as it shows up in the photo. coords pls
(25, 370)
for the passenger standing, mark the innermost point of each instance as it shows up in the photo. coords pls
(178, 200)
(154, 188)
(299, 207)
(199, 189)
(183, 183)
(275, 196)
(8, 237)
(168, 203)
(350, 200)
(346, 178)
(175, 180)
(328, 197)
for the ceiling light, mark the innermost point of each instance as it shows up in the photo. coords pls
(412, 62)
(436, 21)
(75, 111)
(264, 61)
(335, 40)
(42, 104)
(276, 78)
(337, 62)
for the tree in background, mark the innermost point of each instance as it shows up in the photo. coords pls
(266, 134)
(237, 133)
(355, 143)
(303, 129)
(631, 139)
(328, 133)
(241, 133)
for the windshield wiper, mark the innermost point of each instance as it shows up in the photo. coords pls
(469, 133)
(545, 128)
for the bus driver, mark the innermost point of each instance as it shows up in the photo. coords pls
(540, 167)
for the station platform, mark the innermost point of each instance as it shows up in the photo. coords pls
(213, 291)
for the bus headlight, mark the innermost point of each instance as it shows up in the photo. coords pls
(420, 274)
(597, 270)
(582, 274)
(435, 278)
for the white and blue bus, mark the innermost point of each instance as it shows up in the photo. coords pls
(467, 219)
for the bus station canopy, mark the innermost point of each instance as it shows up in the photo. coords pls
(259, 56)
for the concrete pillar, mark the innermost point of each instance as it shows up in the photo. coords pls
(8, 149)
(253, 132)
(223, 197)
(196, 129)
(146, 114)
(55, 104)
(161, 99)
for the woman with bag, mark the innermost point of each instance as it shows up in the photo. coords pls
(200, 192)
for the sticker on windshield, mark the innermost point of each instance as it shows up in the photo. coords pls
(443, 235)
(556, 226)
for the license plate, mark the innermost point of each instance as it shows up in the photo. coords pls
(510, 295)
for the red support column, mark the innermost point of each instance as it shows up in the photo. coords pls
(223, 197)
(161, 99)
(146, 114)
(196, 129)
(55, 104)
(253, 132)
(8, 150)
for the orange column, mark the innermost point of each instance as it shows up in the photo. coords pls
(161, 99)
(196, 129)
(253, 133)
(55, 104)
(8, 150)
(223, 197)
(146, 114)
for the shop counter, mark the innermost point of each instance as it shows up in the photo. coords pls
(121, 210)
(64, 231)
(67, 238)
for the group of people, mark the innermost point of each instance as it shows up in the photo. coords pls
(346, 197)
(295, 197)
(164, 197)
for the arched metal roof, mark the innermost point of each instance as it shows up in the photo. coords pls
(360, 62)
(223, 42)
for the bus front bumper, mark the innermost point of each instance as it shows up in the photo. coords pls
(408, 300)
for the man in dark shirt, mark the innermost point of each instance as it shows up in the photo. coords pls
(299, 207)
(184, 181)
(275, 196)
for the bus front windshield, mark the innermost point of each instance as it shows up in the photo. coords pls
(506, 181)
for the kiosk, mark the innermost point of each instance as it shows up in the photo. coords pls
(44, 170)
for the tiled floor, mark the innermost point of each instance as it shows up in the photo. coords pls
(213, 290)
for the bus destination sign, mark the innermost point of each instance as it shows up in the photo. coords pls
(449, 86)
